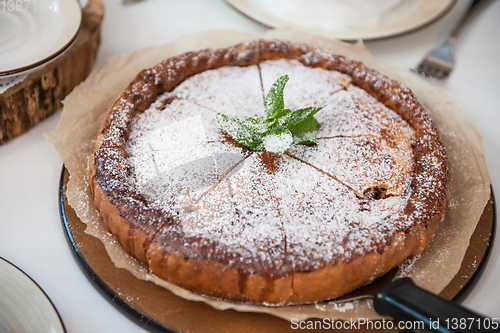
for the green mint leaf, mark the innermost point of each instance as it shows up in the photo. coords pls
(280, 121)
(248, 132)
(303, 125)
(279, 130)
(256, 124)
(278, 141)
(304, 132)
(301, 114)
(275, 102)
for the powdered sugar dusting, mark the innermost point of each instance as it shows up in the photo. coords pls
(271, 206)
(239, 214)
(159, 115)
(354, 113)
(320, 83)
(206, 216)
(380, 119)
(318, 213)
(348, 111)
(258, 224)
(361, 162)
(172, 155)
(278, 142)
(237, 92)
(340, 307)
(324, 220)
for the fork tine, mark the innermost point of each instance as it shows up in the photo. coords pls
(424, 69)
(440, 75)
(439, 62)
(421, 69)
(435, 69)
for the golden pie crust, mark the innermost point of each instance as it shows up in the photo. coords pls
(284, 269)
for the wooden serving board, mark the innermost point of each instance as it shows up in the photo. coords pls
(40, 94)
(158, 310)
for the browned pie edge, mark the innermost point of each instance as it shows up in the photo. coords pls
(135, 225)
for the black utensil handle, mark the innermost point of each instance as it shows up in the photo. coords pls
(404, 300)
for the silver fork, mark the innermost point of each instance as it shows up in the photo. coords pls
(440, 61)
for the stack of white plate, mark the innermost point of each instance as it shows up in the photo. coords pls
(34, 33)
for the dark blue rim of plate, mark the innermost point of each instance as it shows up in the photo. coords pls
(132, 313)
(40, 288)
(154, 326)
(50, 57)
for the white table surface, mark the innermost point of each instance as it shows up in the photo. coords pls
(31, 234)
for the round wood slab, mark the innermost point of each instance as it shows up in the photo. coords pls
(157, 309)
(40, 94)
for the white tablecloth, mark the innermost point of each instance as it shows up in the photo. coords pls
(31, 234)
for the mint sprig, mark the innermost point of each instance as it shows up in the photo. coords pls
(279, 130)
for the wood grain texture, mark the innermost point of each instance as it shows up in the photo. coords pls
(158, 310)
(38, 96)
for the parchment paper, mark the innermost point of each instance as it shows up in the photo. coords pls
(85, 107)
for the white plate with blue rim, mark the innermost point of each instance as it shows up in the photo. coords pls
(34, 32)
(24, 306)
